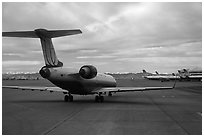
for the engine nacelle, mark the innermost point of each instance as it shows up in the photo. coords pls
(88, 71)
(45, 72)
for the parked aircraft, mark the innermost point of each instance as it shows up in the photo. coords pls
(190, 74)
(157, 72)
(162, 74)
(161, 77)
(182, 75)
(84, 81)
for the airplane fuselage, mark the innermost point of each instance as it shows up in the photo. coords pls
(69, 79)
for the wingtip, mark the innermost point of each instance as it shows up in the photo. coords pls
(80, 30)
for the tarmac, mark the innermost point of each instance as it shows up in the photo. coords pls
(163, 112)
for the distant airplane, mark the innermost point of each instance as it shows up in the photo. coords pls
(145, 73)
(190, 74)
(160, 77)
(162, 74)
(194, 72)
(182, 75)
(84, 81)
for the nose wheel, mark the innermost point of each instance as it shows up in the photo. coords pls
(110, 94)
(99, 98)
(68, 98)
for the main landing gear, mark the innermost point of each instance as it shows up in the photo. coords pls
(110, 94)
(68, 98)
(99, 98)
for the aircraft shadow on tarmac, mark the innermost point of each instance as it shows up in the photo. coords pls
(91, 101)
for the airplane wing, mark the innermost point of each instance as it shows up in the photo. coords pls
(97, 91)
(50, 89)
(129, 89)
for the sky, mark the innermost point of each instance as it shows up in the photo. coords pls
(117, 37)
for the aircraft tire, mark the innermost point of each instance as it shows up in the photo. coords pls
(96, 98)
(66, 98)
(71, 98)
(101, 98)
(110, 94)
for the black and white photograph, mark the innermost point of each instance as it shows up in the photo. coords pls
(101, 68)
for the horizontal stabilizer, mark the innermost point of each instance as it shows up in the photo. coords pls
(60, 33)
(41, 33)
(24, 34)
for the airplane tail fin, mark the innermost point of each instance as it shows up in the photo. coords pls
(186, 71)
(144, 71)
(156, 72)
(45, 36)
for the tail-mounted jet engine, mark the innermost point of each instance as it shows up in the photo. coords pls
(88, 71)
(44, 72)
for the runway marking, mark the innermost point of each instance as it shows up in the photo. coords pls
(168, 96)
(167, 114)
(61, 122)
(199, 113)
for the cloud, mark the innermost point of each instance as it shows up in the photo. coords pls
(89, 51)
(20, 63)
(13, 54)
(114, 33)
(179, 49)
(96, 57)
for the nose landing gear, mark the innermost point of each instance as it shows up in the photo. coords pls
(110, 94)
(99, 98)
(68, 98)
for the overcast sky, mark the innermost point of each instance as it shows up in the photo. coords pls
(117, 37)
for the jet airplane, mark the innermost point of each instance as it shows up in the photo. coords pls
(84, 81)
(161, 77)
(190, 75)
